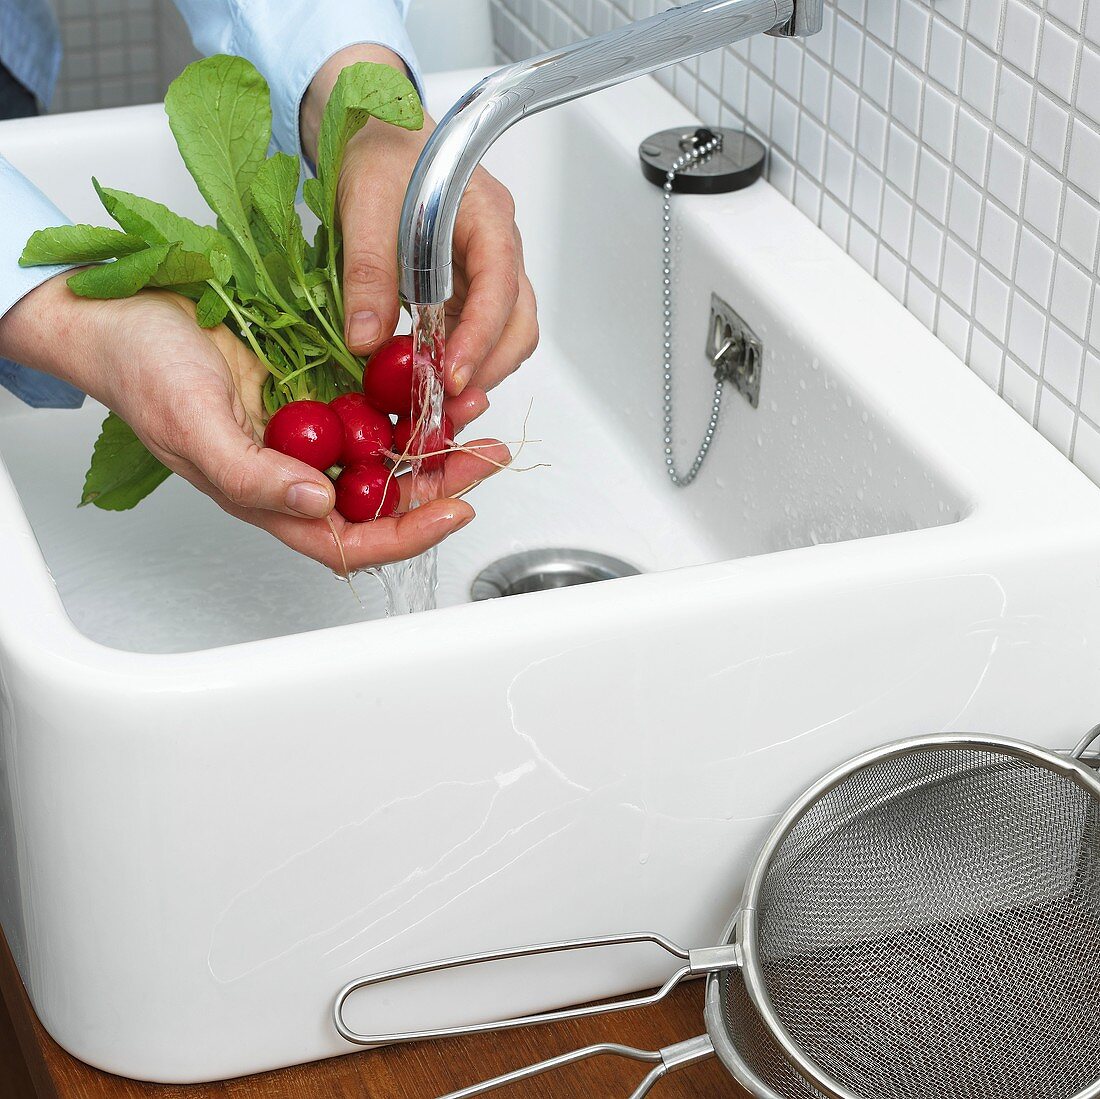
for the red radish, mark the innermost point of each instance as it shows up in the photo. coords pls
(307, 430)
(367, 432)
(436, 441)
(388, 378)
(367, 491)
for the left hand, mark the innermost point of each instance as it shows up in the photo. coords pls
(193, 397)
(492, 325)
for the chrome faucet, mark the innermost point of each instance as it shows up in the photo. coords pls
(426, 234)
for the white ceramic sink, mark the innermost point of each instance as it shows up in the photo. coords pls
(227, 789)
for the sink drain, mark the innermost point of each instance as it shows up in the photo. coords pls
(543, 569)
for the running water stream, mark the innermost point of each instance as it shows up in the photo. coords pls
(410, 585)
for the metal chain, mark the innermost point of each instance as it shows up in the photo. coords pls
(682, 163)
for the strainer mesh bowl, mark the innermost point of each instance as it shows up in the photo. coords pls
(762, 1061)
(930, 929)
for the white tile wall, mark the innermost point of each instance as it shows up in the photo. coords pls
(951, 146)
(118, 52)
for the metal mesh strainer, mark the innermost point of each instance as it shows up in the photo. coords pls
(746, 1046)
(924, 923)
(943, 941)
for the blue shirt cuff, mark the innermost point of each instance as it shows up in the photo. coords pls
(25, 210)
(37, 389)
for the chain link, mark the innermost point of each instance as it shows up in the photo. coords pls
(684, 162)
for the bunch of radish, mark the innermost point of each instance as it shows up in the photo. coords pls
(354, 439)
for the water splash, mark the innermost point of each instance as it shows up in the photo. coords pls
(410, 586)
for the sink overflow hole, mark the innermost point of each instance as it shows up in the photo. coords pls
(544, 569)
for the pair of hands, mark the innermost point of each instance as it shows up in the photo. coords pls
(193, 395)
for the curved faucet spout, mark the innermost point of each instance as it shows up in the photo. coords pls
(426, 235)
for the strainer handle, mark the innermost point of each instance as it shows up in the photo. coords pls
(696, 963)
(664, 1060)
(1086, 743)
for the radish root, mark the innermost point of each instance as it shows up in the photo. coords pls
(346, 573)
(474, 448)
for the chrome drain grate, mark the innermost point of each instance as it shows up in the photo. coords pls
(544, 569)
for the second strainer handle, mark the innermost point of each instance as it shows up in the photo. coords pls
(1086, 743)
(665, 1061)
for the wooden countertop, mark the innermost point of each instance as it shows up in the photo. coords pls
(33, 1066)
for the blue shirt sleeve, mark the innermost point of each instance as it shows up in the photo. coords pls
(25, 210)
(289, 41)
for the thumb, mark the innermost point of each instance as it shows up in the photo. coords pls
(369, 212)
(251, 476)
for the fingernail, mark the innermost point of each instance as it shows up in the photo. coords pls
(448, 520)
(309, 499)
(363, 328)
(461, 375)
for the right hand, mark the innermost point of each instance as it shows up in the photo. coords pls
(492, 323)
(192, 396)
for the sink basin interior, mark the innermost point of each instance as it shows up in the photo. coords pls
(813, 464)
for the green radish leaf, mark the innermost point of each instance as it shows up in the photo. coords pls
(192, 290)
(220, 113)
(283, 320)
(212, 309)
(180, 268)
(362, 91)
(122, 472)
(274, 191)
(272, 402)
(278, 270)
(276, 354)
(315, 253)
(264, 240)
(314, 195)
(78, 244)
(222, 265)
(156, 223)
(306, 337)
(122, 278)
(242, 268)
